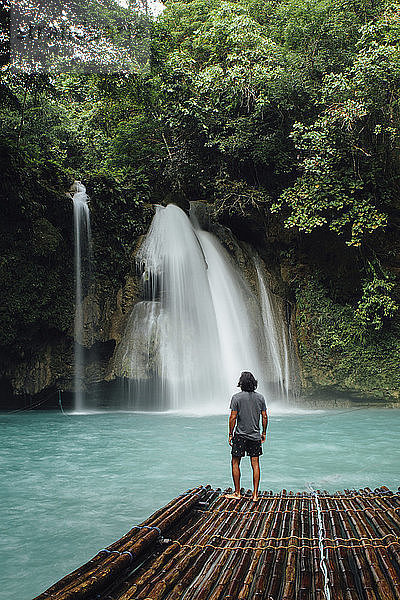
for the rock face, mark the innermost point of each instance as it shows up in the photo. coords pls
(47, 364)
(328, 383)
(336, 363)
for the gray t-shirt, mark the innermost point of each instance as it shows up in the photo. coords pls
(248, 406)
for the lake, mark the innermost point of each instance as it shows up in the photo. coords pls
(73, 483)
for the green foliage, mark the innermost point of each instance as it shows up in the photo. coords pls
(324, 33)
(286, 107)
(55, 129)
(377, 304)
(349, 153)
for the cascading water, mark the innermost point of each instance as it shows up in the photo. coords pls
(199, 325)
(180, 329)
(276, 337)
(238, 327)
(82, 245)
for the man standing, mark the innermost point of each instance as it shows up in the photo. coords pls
(246, 408)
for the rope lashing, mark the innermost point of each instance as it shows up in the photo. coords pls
(309, 539)
(309, 510)
(363, 545)
(321, 535)
(147, 527)
(333, 497)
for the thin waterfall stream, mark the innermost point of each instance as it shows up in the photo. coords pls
(199, 324)
(277, 336)
(82, 256)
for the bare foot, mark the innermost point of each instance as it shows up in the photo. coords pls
(255, 498)
(233, 496)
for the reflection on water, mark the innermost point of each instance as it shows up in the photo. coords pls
(70, 485)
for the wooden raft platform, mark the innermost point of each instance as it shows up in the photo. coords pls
(304, 546)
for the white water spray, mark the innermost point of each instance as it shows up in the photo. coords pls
(82, 244)
(198, 326)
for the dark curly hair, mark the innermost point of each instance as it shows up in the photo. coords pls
(247, 382)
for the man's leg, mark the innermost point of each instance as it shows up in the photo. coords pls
(255, 465)
(236, 474)
(237, 452)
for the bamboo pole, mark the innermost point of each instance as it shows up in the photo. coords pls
(196, 535)
(305, 552)
(377, 525)
(101, 558)
(386, 515)
(343, 554)
(228, 526)
(373, 527)
(370, 558)
(292, 554)
(239, 560)
(168, 579)
(218, 559)
(189, 576)
(138, 580)
(334, 571)
(263, 577)
(250, 577)
(223, 527)
(364, 574)
(280, 557)
(164, 581)
(247, 515)
(149, 576)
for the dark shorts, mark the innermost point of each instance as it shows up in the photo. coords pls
(241, 445)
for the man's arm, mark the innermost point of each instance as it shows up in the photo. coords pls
(264, 417)
(232, 423)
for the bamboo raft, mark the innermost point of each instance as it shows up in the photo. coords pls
(203, 546)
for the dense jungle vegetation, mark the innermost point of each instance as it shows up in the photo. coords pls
(283, 116)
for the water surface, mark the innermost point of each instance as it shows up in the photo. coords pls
(72, 484)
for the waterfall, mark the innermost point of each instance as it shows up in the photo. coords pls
(185, 331)
(199, 324)
(278, 346)
(82, 245)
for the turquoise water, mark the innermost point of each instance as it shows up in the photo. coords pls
(70, 485)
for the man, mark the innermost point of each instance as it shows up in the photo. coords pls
(244, 430)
